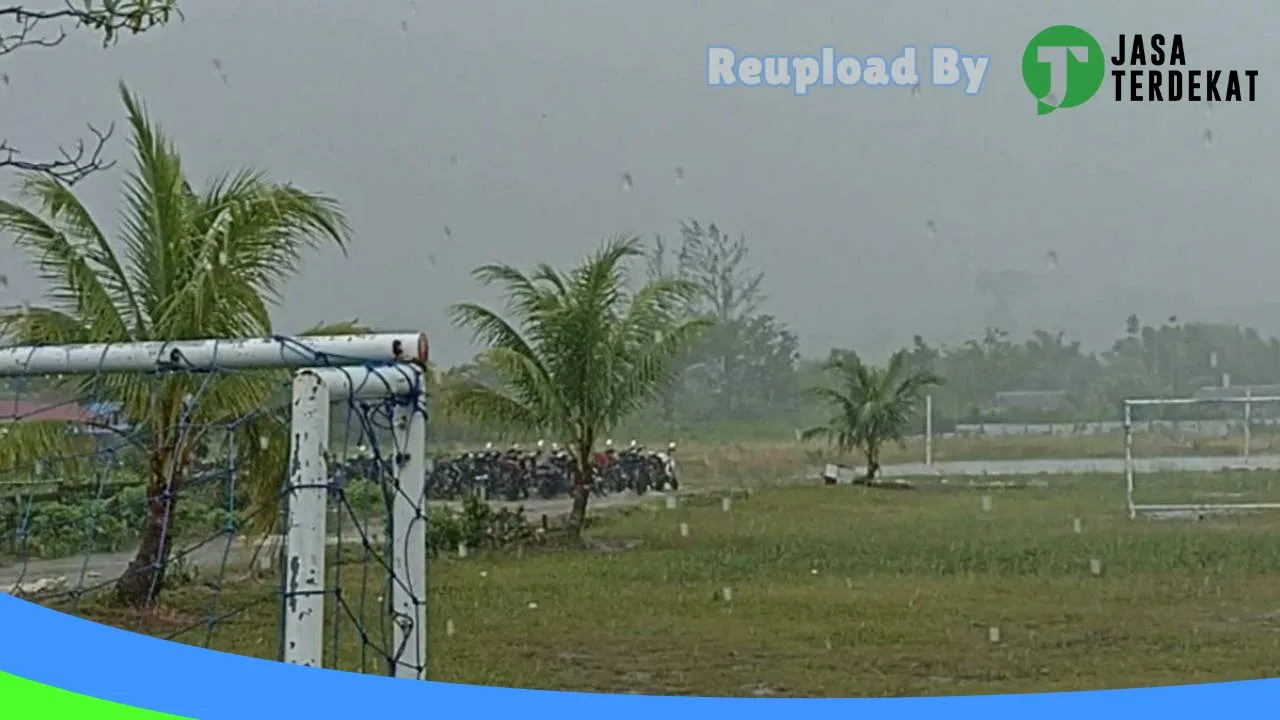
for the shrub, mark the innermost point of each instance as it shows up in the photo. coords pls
(478, 525)
(57, 528)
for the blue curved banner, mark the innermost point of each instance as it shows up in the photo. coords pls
(41, 647)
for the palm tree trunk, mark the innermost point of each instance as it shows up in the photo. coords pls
(873, 464)
(139, 587)
(581, 492)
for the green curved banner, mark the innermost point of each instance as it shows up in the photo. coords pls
(22, 699)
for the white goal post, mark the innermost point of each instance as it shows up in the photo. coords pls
(329, 369)
(1245, 461)
(307, 538)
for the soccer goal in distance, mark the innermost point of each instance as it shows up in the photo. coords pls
(1201, 455)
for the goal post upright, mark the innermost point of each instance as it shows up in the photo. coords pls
(306, 536)
(1248, 420)
(1127, 424)
(307, 493)
(408, 534)
(1247, 400)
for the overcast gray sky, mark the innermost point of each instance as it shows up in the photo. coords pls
(546, 103)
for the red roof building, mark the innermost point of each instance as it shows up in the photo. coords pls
(15, 410)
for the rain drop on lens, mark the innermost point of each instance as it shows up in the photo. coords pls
(931, 229)
(626, 182)
(915, 90)
(1208, 138)
(448, 234)
(679, 174)
(222, 257)
(217, 70)
(264, 442)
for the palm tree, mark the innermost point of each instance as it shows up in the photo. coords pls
(870, 405)
(187, 264)
(578, 352)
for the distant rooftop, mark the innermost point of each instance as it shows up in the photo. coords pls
(1029, 399)
(17, 409)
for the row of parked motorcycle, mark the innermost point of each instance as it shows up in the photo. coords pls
(544, 471)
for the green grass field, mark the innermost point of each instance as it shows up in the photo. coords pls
(837, 591)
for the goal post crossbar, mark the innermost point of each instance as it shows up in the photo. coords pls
(1245, 399)
(214, 354)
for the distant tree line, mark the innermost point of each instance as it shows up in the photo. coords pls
(745, 378)
(1169, 359)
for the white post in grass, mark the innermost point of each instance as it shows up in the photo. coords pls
(928, 430)
(1248, 420)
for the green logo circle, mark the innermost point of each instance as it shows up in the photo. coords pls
(1063, 66)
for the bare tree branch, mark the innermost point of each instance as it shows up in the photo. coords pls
(25, 26)
(72, 165)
